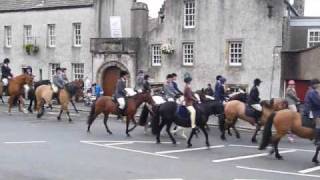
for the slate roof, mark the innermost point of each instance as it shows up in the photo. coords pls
(25, 5)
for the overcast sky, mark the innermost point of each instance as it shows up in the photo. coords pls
(312, 7)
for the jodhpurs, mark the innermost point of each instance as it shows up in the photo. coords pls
(257, 107)
(121, 103)
(192, 116)
(293, 107)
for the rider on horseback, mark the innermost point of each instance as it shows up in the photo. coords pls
(169, 91)
(6, 74)
(189, 100)
(146, 84)
(175, 84)
(312, 106)
(220, 93)
(254, 99)
(58, 82)
(120, 92)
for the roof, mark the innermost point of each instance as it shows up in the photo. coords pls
(25, 5)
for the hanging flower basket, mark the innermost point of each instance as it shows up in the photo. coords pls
(30, 48)
(167, 49)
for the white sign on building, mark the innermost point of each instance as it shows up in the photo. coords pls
(115, 26)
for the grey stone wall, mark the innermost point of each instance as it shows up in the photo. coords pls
(64, 52)
(217, 22)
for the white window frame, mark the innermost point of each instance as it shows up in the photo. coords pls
(52, 69)
(314, 42)
(156, 58)
(188, 53)
(51, 35)
(235, 53)
(8, 36)
(27, 34)
(77, 41)
(189, 14)
(77, 71)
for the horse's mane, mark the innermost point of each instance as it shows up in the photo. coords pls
(266, 103)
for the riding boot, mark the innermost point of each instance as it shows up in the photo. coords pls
(257, 115)
(317, 138)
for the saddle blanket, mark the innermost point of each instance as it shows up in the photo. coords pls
(182, 112)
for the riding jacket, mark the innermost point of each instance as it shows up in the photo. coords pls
(312, 103)
(175, 86)
(146, 86)
(254, 96)
(6, 71)
(58, 81)
(220, 93)
(188, 96)
(120, 89)
(169, 90)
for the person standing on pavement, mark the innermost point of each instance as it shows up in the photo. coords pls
(175, 84)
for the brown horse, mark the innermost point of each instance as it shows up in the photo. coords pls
(285, 121)
(236, 109)
(44, 95)
(16, 90)
(107, 105)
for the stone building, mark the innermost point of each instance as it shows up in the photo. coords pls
(241, 40)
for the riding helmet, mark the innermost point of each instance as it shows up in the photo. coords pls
(169, 76)
(123, 73)
(314, 82)
(257, 81)
(218, 77)
(187, 79)
(6, 61)
(58, 69)
(146, 77)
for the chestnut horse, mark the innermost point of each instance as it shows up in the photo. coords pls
(16, 89)
(235, 109)
(107, 105)
(285, 121)
(44, 95)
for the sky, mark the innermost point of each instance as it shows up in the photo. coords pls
(312, 7)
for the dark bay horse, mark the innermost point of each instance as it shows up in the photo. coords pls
(285, 121)
(165, 115)
(107, 105)
(16, 89)
(236, 109)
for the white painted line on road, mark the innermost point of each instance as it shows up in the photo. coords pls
(57, 113)
(130, 150)
(189, 149)
(143, 142)
(277, 172)
(256, 147)
(25, 142)
(119, 143)
(248, 156)
(317, 168)
(161, 179)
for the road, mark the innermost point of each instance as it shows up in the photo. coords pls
(45, 149)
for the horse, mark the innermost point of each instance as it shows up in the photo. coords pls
(166, 114)
(32, 95)
(1, 92)
(16, 89)
(236, 109)
(285, 121)
(107, 105)
(44, 95)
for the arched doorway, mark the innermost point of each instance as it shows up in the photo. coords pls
(110, 78)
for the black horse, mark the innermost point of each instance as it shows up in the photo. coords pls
(166, 114)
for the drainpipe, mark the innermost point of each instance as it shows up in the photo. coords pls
(274, 55)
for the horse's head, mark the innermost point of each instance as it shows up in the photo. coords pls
(146, 97)
(27, 79)
(75, 88)
(279, 104)
(266, 104)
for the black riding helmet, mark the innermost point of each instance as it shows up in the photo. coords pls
(146, 77)
(257, 82)
(187, 79)
(6, 61)
(123, 73)
(169, 76)
(218, 77)
(58, 69)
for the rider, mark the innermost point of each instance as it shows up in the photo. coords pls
(146, 84)
(254, 99)
(217, 82)
(209, 90)
(189, 100)
(6, 74)
(312, 106)
(64, 75)
(139, 81)
(220, 91)
(58, 82)
(120, 92)
(175, 84)
(169, 91)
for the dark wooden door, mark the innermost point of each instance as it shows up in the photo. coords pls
(110, 78)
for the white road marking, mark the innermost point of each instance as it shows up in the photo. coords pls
(118, 143)
(317, 168)
(190, 149)
(278, 172)
(57, 113)
(256, 147)
(249, 156)
(130, 150)
(25, 142)
(161, 179)
(143, 142)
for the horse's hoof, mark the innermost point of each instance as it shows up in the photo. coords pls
(174, 142)
(314, 160)
(110, 133)
(158, 142)
(223, 137)
(279, 157)
(59, 118)
(38, 116)
(271, 151)
(70, 121)
(189, 145)
(238, 136)
(254, 141)
(89, 132)
(208, 144)
(128, 135)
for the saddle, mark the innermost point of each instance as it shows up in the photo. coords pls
(307, 122)
(121, 111)
(251, 112)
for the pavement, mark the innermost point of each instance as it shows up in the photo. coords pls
(45, 149)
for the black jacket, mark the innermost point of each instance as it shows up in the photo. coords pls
(6, 71)
(146, 86)
(254, 96)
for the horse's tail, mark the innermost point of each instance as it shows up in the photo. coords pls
(267, 132)
(144, 116)
(155, 123)
(91, 116)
